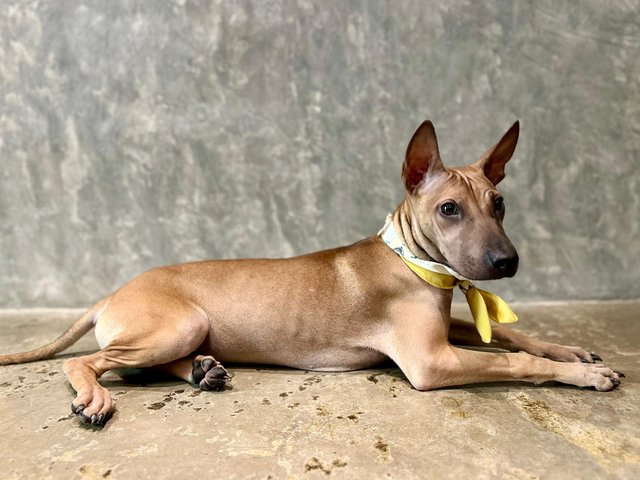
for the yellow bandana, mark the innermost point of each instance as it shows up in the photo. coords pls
(484, 305)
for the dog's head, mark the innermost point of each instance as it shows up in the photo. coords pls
(457, 212)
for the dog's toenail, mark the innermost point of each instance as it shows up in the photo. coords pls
(77, 409)
(620, 374)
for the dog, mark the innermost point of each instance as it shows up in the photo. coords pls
(387, 296)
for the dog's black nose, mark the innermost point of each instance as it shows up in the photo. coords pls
(506, 263)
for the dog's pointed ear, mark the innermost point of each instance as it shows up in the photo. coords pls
(422, 156)
(493, 161)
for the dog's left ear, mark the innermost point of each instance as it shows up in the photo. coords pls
(493, 161)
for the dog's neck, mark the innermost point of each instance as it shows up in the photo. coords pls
(408, 229)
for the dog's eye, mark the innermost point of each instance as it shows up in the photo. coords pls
(498, 204)
(449, 208)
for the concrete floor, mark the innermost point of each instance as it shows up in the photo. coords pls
(280, 423)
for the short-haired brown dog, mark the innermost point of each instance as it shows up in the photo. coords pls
(341, 309)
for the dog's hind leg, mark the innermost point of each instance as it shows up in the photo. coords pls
(139, 340)
(93, 403)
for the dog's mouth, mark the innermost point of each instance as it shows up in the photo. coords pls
(484, 271)
(497, 275)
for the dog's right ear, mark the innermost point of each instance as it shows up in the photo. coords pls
(422, 158)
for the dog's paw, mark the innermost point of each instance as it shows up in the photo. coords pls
(93, 406)
(563, 353)
(209, 374)
(598, 376)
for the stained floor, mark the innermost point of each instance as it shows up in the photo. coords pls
(280, 423)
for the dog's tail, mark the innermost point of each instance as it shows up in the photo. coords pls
(68, 338)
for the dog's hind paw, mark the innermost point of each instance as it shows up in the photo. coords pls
(209, 374)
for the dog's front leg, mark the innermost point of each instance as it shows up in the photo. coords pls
(451, 366)
(465, 333)
(421, 349)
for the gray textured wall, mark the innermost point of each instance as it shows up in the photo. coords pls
(134, 134)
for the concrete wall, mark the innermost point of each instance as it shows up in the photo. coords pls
(135, 134)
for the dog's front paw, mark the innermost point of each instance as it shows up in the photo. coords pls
(598, 376)
(563, 353)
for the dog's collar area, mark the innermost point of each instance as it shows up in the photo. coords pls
(484, 305)
(393, 241)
